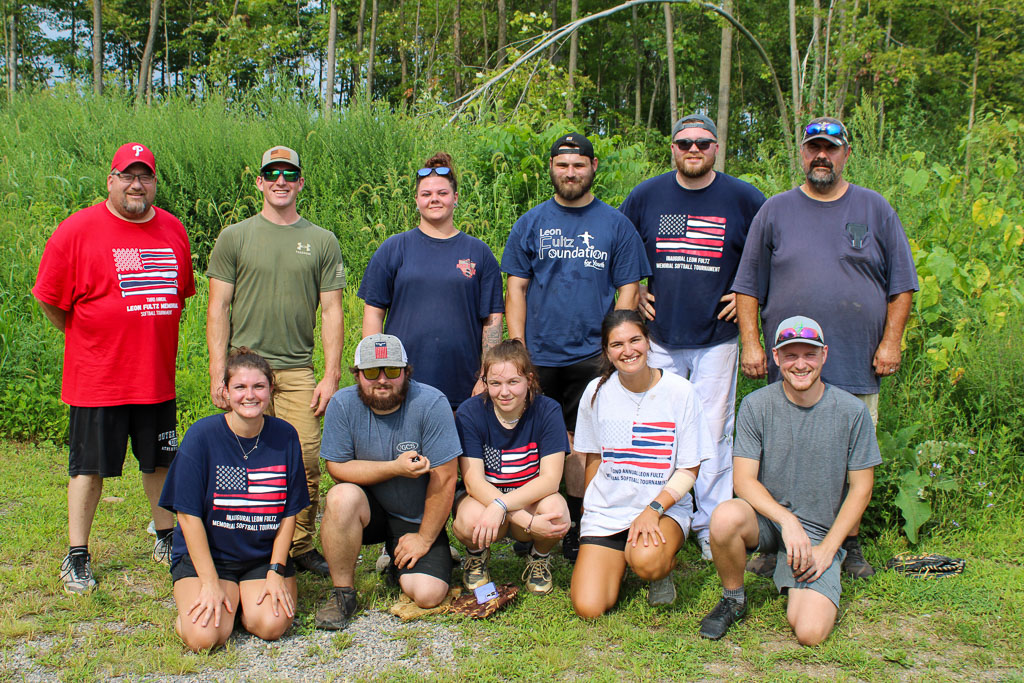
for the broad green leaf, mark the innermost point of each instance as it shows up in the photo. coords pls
(916, 179)
(915, 513)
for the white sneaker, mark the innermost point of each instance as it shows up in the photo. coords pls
(151, 529)
(384, 561)
(705, 549)
(162, 550)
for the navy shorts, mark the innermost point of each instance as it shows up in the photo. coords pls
(236, 572)
(387, 529)
(98, 438)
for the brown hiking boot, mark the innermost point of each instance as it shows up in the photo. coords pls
(855, 565)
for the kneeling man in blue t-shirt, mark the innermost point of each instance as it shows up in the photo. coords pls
(391, 446)
(797, 442)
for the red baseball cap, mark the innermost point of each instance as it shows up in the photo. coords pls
(130, 153)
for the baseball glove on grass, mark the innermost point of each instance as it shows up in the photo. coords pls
(467, 605)
(926, 566)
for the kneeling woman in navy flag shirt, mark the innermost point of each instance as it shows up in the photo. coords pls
(236, 485)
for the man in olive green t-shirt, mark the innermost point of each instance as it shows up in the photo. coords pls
(268, 274)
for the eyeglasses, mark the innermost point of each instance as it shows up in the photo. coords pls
(803, 333)
(703, 144)
(826, 128)
(372, 374)
(130, 178)
(439, 170)
(272, 174)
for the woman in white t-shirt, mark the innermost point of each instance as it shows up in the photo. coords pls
(644, 436)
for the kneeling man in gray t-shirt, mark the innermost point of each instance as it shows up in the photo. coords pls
(797, 443)
(391, 446)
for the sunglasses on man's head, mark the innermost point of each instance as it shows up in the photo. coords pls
(684, 144)
(803, 333)
(272, 174)
(373, 373)
(439, 170)
(826, 128)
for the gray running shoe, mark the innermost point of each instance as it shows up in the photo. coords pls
(76, 573)
(662, 591)
(383, 561)
(474, 570)
(162, 551)
(537, 575)
(151, 529)
(705, 549)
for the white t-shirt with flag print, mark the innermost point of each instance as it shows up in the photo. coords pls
(643, 439)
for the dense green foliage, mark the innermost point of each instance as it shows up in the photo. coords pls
(961, 380)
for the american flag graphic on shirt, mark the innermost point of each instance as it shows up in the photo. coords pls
(146, 271)
(260, 490)
(681, 233)
(650, 447)
(509, 469)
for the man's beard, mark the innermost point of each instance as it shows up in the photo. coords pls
(701, 170)
(573, 192)
(822, 183)
(384, 403)
(134, 205)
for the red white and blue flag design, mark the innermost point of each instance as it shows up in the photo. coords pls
(651, 447)
(681, 233)
(146, 272)
(260, 490)
(380, 350)
(510, 469)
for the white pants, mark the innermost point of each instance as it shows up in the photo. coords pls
(713, 372)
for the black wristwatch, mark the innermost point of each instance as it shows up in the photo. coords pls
(657, 507)
(277, 567)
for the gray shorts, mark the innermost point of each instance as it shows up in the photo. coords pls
(769, 540)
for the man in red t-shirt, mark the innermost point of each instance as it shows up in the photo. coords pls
(113, 279)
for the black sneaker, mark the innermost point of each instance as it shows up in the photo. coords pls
(338, 611)
(313, 562)
(725, 614)
(571, 543)
(763, 565)
(855, 565)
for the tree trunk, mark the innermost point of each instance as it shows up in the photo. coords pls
(332, 54)
(97, 47)
(373, 50)
(724, 86)
(12, 57)
(638, 60)
(654, 95)
(457, 47)
(74, 41)
(670, 54)
(794, 61)
(812, 95)
(360, 29)
(553, 11)
(483, 30)
(502, 32)
(147, 53)
(574, 49)
(403, 56)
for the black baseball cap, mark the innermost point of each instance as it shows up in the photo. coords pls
(572, 143)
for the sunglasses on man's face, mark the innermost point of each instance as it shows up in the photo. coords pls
(808, 333)
(372, 374)
(439, 170)
(272, 174)
(684, 144)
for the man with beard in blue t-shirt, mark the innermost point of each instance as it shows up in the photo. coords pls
(569, 261)
(694, 222)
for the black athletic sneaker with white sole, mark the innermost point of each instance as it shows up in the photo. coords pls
(725, 614)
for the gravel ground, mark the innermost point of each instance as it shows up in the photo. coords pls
(374, 642)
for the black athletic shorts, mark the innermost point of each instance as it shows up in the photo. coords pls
(98, 438)
(235, 572)
(387, 529)
(615, 541)
(566, 384)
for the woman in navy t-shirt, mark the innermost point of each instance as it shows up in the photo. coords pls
(236, 485)
(513, 448)
(436, 288)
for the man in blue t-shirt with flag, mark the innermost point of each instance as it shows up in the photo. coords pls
(694, 222)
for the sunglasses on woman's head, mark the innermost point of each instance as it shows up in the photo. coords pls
(439, 170)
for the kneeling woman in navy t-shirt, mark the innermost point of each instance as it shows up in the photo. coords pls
(236, 484)
(513, 448)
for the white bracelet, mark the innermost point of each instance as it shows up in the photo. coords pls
(501, 504)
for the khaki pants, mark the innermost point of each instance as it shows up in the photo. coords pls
(291, 403)
(871, 401)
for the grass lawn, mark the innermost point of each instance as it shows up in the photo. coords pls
(969, 627)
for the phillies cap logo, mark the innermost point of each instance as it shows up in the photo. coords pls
(466, 267)
(138, 149)
(380, 350)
